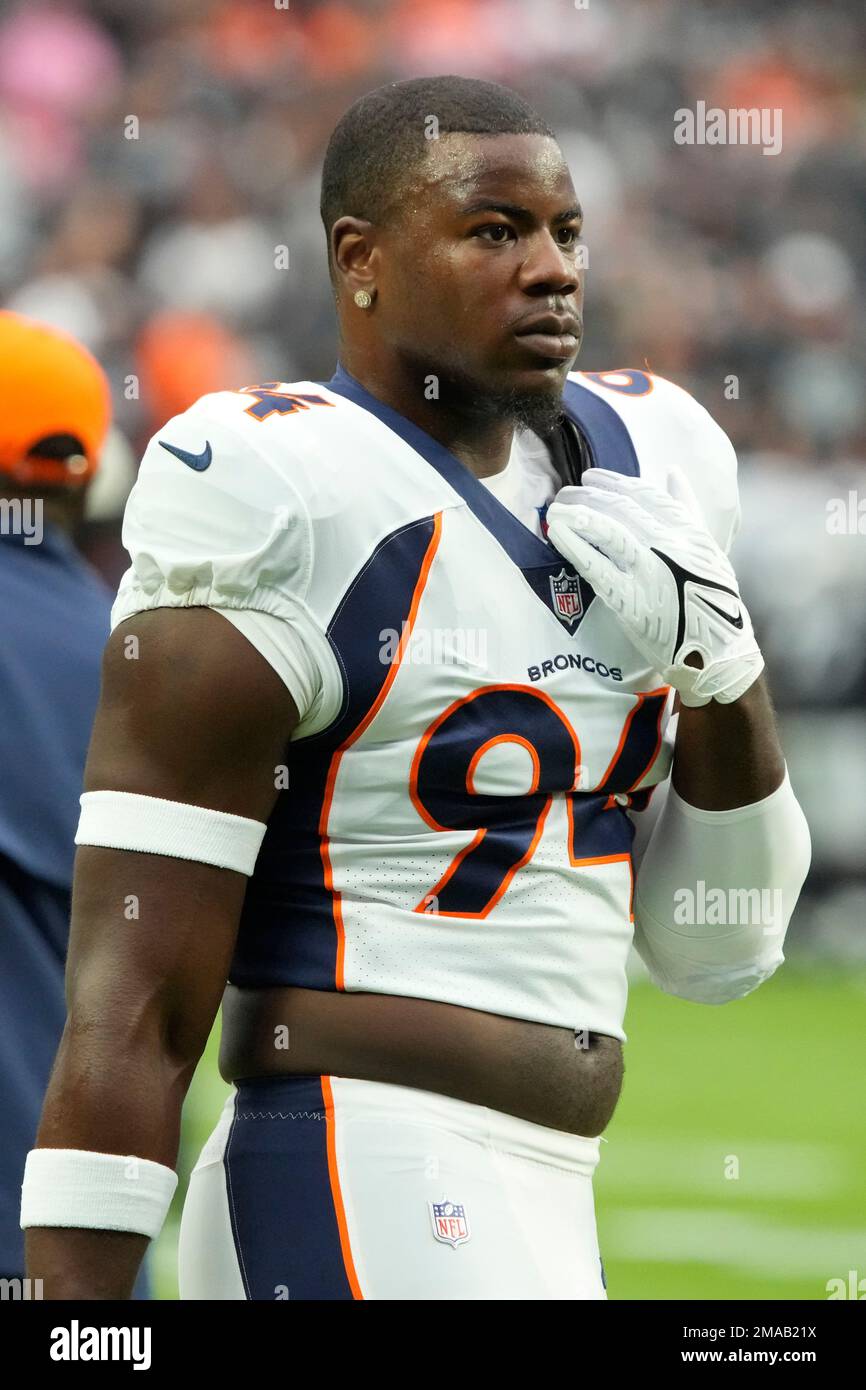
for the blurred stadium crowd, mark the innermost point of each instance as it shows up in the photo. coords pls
(157, 161)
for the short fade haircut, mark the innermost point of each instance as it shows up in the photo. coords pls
(376, 146)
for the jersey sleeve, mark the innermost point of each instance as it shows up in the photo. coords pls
(213, 522)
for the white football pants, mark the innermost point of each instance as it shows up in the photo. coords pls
(324, 1187)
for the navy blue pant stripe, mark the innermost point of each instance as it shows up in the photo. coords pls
(280, 1200)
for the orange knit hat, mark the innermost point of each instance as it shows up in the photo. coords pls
(49, 385)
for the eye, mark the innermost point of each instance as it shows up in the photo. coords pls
(572, 236)
(495, 227)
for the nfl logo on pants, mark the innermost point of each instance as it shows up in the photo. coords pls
(450, 1222)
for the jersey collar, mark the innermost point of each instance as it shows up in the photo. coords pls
(608, 439)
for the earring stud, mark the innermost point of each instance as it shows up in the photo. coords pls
(363, 299)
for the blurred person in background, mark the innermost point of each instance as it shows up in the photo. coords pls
(54, 619)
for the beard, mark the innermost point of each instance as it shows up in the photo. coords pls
(538, 411)
(470, 399)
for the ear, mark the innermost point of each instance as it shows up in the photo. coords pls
(353, 252)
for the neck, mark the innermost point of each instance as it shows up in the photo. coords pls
(480, 439)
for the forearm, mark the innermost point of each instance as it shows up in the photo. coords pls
(105, 1098)
(118, 1092)
(728, 755)
(78, 1264)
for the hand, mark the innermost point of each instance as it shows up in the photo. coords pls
(650, 559)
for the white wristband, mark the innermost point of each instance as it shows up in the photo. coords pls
(127, 820)
(101, 1192)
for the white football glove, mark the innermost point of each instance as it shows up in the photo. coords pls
(650, 559)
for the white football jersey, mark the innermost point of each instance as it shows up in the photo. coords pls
(475, 726)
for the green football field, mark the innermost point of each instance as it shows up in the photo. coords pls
(735, 1166)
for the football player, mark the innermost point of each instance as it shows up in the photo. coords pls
(378, 718)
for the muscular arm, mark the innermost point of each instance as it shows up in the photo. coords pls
(197, 716)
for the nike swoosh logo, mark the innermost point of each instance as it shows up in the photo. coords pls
(735, 622)
(682, 576)
(197, 461)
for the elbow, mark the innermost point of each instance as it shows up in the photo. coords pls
(700, 982)
(121, 1041)
(709, 965)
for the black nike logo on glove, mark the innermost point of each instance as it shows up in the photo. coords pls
(682, 576)
(735, 622)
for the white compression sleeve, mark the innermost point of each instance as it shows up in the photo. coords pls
(715, 891)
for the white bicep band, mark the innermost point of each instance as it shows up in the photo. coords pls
(715, 891)
(95, 1191)
(151, 825)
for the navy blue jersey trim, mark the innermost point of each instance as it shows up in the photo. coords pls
(524, 547)
(608, 440)
(610, 444)
(287, 894)
(378, 599)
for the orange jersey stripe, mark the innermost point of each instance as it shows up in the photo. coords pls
(356, 733)
(334, 1177)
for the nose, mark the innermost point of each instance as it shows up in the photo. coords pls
(549, 268)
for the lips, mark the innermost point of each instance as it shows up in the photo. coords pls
(555, 336)
(551, 325)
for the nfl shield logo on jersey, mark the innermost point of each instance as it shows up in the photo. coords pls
(565, 593)
(450, 1222)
